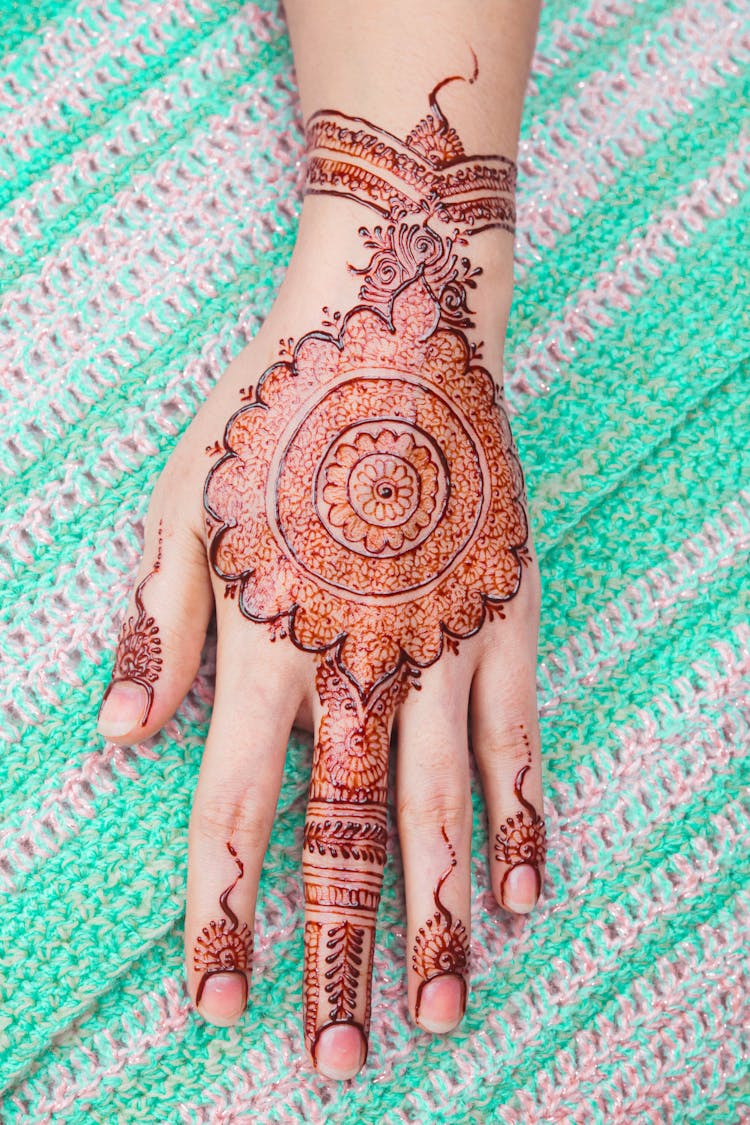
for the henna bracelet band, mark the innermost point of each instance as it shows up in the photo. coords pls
(428, 174)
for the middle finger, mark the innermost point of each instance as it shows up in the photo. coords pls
(343, 860)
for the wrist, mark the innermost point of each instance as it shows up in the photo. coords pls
(329, 269)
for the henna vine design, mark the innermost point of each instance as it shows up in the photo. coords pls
(138, 658)
(224, 946)
(369, 506)
(522, 840)
(441, 947)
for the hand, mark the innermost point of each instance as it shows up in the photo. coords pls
(364, 526)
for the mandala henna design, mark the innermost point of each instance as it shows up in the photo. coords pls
(441, 947)
(370, 507)
(138, 658)
(522, 840)
(225, 946)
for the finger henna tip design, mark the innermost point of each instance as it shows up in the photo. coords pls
(522, 840)
(441, 947)
(224, 946)
(138, 658)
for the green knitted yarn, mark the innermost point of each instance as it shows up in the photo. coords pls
(149, 191)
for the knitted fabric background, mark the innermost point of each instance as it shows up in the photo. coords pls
(150, 178)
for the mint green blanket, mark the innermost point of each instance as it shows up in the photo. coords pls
(150, 185)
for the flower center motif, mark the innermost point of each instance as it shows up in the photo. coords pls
(384, 490)
(378, 488)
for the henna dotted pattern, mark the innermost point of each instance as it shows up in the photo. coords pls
(369, 506)
(224, 946)
(138, 659)
(441, 947)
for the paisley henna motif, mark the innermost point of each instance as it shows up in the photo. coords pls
(369, 506)
(138, 658)
(523, 837)
(441, 947)
(224, 946)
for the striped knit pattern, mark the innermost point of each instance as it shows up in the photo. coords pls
(149, 190)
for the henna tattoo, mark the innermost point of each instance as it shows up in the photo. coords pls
(441, 947)
(429, 174)
(402, 252)
(138, 658)
(349, 839)
(311, 982)
(224, 946)
(370, 507)
(522, 840)
(346, 942)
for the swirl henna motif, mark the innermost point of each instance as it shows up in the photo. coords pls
(224, 946)
(369, 506)
(138, 658)
(402, 252)
(441, 947)
(522, 840)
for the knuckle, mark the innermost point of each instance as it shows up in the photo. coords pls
(224, 815)
(432, 807)
(511, 742)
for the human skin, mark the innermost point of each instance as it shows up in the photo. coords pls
(350, 502)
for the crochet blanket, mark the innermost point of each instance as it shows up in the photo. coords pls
(149, 191)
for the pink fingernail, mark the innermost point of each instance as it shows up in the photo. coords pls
(441, 1003)
(121, 709)
(222, 996)
(521, 887)
(340, 1050)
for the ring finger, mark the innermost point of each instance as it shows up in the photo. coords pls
(434, 823)
(505, 737)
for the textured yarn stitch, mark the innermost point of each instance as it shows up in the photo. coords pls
(150, 179)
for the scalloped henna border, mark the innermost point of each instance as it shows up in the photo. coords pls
(489, 601)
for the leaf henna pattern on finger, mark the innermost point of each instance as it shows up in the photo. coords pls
(138, 659)
(441, 947)
(224, 946)
(370, 507)
(522, 840)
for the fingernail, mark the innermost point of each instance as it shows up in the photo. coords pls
(222, 996)
(340, 1050)
(441, 1003)
(520, 888)
(121, 709)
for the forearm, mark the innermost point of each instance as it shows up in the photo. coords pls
(380, 63)
(379, 60)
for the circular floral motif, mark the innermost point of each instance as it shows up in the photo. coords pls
(383, 490)
(370, 498)
(345, 532)
(378, 491)
(522, 841)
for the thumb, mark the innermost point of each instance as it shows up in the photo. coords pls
(161, 639)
